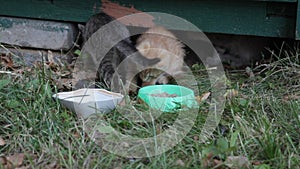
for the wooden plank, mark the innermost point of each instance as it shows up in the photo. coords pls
(252, 17)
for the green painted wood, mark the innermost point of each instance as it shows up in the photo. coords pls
(279, 0)
(64, 10)
(274, 18)
(297, 29)
(233, 17)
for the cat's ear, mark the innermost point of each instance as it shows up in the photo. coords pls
(143, 47)
(81, 27)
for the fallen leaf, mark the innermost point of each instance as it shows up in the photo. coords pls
(203, 97)
(8, 62)
(50, 57)
(256, 163)
(2, 142)
(206, 161)
(64, 73)
(217, 163)
(291, 97)
(231, 93)
(124, 144)
(236, 162)
(122, 103)
(3, 161)
(76, 135)
(250, 72)
(64, 83)
(23, 167)
(180, 163)
(16, 160)
(196, 138)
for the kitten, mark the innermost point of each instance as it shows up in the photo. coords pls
(116, 54)
(158, 42)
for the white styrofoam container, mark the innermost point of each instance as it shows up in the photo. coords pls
(87, 101)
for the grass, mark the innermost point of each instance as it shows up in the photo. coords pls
(261, 123)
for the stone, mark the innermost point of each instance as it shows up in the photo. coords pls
(40, 34)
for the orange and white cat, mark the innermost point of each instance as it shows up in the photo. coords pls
(158, 42)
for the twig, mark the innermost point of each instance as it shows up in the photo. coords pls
(10, 73)
(7, 50)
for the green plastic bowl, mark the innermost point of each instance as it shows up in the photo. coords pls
(184, 98)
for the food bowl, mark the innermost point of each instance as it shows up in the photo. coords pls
(168, 98)
(87, 101)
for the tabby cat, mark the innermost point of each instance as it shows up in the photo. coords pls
(158, 42)
(116, 54)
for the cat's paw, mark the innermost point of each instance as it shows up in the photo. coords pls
(162, 80)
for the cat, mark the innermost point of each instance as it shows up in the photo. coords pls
(118, 53)
(158, 42)
(238, 51)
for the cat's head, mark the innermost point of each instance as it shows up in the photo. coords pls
(159, 37)
(154, 77)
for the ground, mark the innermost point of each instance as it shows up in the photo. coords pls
(259, 127)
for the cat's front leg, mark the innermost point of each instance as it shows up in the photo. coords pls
(163, 79)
